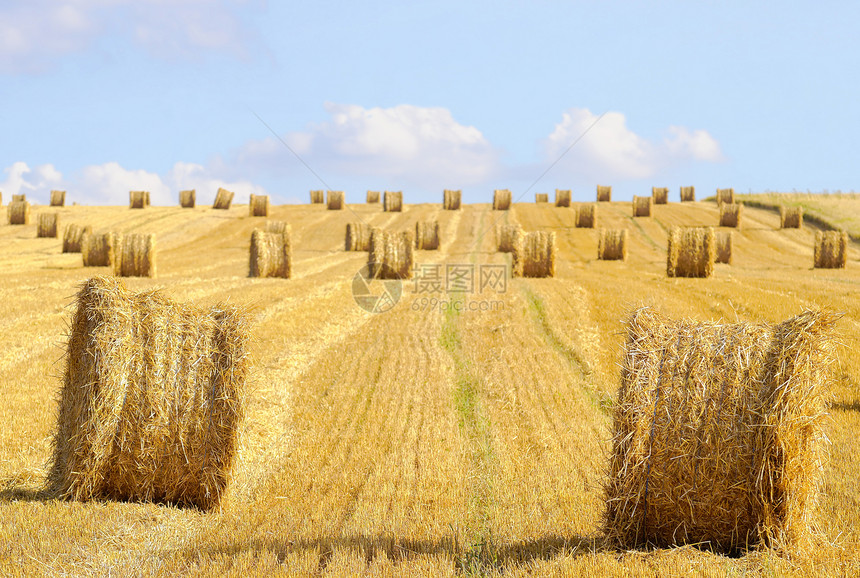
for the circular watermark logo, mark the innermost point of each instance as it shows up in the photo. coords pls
(376, 293)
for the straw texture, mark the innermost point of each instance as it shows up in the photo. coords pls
(534, 255)
(58, 198)
(604, 194)
(730, 214)
(391, 255)
(724, 241)
(501, 200)
(97, 249)
(790, 217)
(507, 236)
(660, 195)
(335, 201)
(47, 225)
(725, 196)
(691, 252)
(258, 206)
(427, 235)
(357, 237)
(223, 199)
(372, 196)
(688, 194)
(188, 198)
(586, 216)
(612, 245)
(72, 237)
(451, 200)
(277, 227)
(831, 250)
(271, 254)
(317, 197)
(18, 212)
(392, 201)
(20, 198)
(134, 255)
(541, 197)
(641, 206)
(138, 199)
(562, 197)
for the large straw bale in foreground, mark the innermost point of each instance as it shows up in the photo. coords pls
(258, 206)
(73, 236)
(790, 217)
(718, 437)
(427, 235)
(317, 197)
(501, 200)
(271, 254)
(641, 206)
(391, 255)
(586, 216)
(562, 197)
(730, 214)
(392, 201)
(18, 212)
(612, 245)
(688, 194)
(831, 250)
(372, 196)
(58, 198)
(357, 237)
(47, 225)
(507, 236)
(335, 201)
(604, 194)
(134, 255)
(151, 399)
(660, 195)
(138, 199)
(725, 196)
(451, 200)
(691, 253)
(223, 199)
(97, 249)
(534, 255)
(188, 198)
(724, 247)
(541, 197)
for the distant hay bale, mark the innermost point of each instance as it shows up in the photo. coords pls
(586, 216)
(691, 252)
(451, 200)
(138, 199)
(152, 396)
(660, 195)
(831, 250)
(730, 214)
(724, 247)
(357, 237)
(562, 198)
(372, 196)
(534, 255)
(604, 194)
(790, 217)
(58, 198)
(718, 433)
(22, 198)
(390, 255)
(392, 201)
(317, 197)
(501, 200)
(258, 206)
(72, 237)
(47, 225)
(97, 249)
(427, 235)
(641, 206)
(277, 227)
(271, 254)
(223, 199)
(688, 194)
(541, 197)
(187, 199)
(18, 212)
(335, 201)
(612, 245)
(134, 255)
(725, 196)
(506, 237)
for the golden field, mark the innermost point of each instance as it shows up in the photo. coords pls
(417, 442)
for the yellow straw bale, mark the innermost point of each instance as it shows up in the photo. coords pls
(451, 200)
(660, 195)
(831, 250)
(188, 198)
(790, 217)
(427, 235)
(97, 249)
(391, 255)
(562, 197)
(223, 199)
(501, 200)
(541, 197)
(18, 212)
(724, 247)
(73, 236)
(725, 196)
(586, 216)
(317, 197)
(138, 199)
(21, 198)
(506, 237)
(688, 194)
(271, 254)
(612, 245)
(134, 255)
(392, 201)
(691, 252)
(58, 198)
(47, 225)
(278, 227)
(641, 206)
(534, 255)
(357, 237)
(258, 206)
(604, 194)
(372, 196)
(335, 200)
(730, 214)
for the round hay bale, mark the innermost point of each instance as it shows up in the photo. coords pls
(604, 194)
(72, 237)
(277, 227)
(660, 195)
(392, 201)
(691, 252)
(427, 235)
(790, 217)
(501, 200)
(562, 198)
(725, 196)
(730, 214)
(586, 216)
(47, 225)
(271, 254)
(317, 197)
(223, 199)
(612, 245)
(831, 250)
(541, 197)
(18, 212)
(258, 206)
(335, 200)
(188, 198)
(688, 194)
(134, 255)
(534, 255)
(97, 249)
(138, 199)
(357, 237)
(451, 200)
(506, 237)
(372, 196)
(641, 206)
(390, 255)
(58, 198)
(151, 400)
(718, 436)
(21, 198)
(724, 247)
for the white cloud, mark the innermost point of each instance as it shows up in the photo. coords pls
(21, 179)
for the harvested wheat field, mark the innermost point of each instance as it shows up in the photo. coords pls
(467, 431)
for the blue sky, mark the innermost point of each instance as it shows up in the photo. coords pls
(103, 96)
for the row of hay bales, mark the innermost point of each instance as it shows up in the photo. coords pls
(533, 254)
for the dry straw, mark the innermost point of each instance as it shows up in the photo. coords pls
(586, 216)
(97, 249)
(730, 214)
(831, 250)
(660, 195)
(392, 201)
(427, 235)
(47, 225)
(187, 199)
(541, 197)
(335, 201)
(391, 255)
(258, 206)
(372, 196)
(271, 254)
(641, 206)
(562, 197)
(507, 236)
(451, 200)
(691, 252)
(151, 399)
(223, 199)
(724, 240)
(72, 237)
(357, 237)
(534, 255)
(790, 217)
(58, 198)
(317, 197)
(138, 199)
(18, 212)
(718, 433)
(501, 200)
(19, 198)
(688, 194)
(612, 245)
(725, 196)
(604, 194)
(277, 227)
(134, 255)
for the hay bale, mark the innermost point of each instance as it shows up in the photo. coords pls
(223, 199)
(1, 198)
(427, 235)
(392, 201)
(612, 245)
(258, 206)
(501, 200)
(451, 200)
(138, 199)
(790, 217)
(72, 237)
(688, 194)
(187, 199)
(317, 197)
(277, 227)
(725, 196)
(534, 255)
(586, 216)
(58, 198)
(47, 224)
(541, 197)
(390, 255)
(724, 247)
(641, 206)
(18, 212)
(335, 201)
(562, 198)
(831, 250)
(97, 249)
(691, 252)
(718, 433)
(134, 255)
(604, 194)
(271, 254)
(151, 400)
(357, 237)
(730, 214)
(660, 195)
(372, 196)
(506, 237)
(22, 198)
